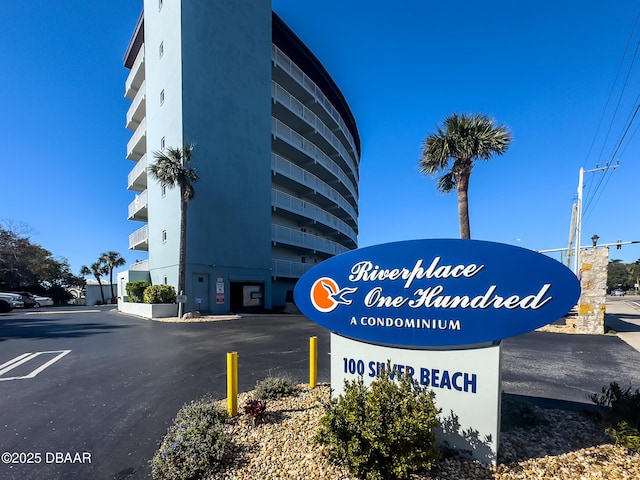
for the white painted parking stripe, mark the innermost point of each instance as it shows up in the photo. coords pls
(18, 358)
(16, 362)
(25, 358)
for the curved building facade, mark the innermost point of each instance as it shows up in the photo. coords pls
(277, 151)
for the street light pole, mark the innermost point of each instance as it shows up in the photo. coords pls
(576, 265)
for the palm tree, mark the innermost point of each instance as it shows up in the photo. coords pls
(171, 169)
(112, 260)
(97, 269)
(463, 140)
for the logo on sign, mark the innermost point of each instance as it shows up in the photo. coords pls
(326, 295)
(436, 292)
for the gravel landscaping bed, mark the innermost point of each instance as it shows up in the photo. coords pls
(564, 445)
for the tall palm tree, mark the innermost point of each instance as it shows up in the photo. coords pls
(112, 260)
(463, 140)
(97, 269)
(170, 169)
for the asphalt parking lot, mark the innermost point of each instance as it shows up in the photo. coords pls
(112, 383)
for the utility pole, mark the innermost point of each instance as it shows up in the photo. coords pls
(576, 265)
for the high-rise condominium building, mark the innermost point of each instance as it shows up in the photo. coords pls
(276, 149)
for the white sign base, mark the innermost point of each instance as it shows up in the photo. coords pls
(466, 384)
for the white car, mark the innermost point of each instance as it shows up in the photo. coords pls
(14, 300)
(42, 301)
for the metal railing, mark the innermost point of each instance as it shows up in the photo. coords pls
(139, 236)
(139, 202)
(140, 168)
(279, 129)
(280, 199)
(284, 62)
(290, 170)
(291, 236)
(287, 268)
(279, 93)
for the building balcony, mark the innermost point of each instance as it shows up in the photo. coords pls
(138, 109)
(305, 240)
(137, 178)
(324, 221)
(139, 240)
(319, 163)
(138, 208)
(136, 76)
(293, 77)
(137, 145)
(295, 178)
(287, 268)
(140, 266)
(296, 114)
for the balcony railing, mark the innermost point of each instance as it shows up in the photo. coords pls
(290, 203)
(137, 178)
(291, 236)
(136, 76)
(138, 208)
(290, 170)
(137, 109)
(287, 268)
(284, 62)
(139, 240)
(137, 145)
(282, 131)
(141, 266)
(294, 105)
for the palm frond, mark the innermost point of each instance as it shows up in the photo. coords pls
(447, 183)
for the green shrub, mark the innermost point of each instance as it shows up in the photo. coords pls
(159, 294)
(135, 290)
(382, 432)
(194, 445)
(621, 414)
(274, 387)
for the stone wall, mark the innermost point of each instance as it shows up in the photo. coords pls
(593, 281)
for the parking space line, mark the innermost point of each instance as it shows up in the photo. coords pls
(24, 358)
(10, 362)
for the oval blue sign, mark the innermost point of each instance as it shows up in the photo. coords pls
(436, 292)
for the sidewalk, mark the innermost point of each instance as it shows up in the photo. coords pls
(624, 318)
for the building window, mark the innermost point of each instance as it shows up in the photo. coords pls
(161, 49)
(164, 236)
(161, 97)
(162, 143)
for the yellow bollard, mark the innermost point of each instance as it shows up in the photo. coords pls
(313, 362)
(232, 383)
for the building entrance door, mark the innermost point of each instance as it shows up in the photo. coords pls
(201, 291)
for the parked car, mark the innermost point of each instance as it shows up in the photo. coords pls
(27, 298)
(618, 292)
(5, 306)
(14, 300)
(42, 301)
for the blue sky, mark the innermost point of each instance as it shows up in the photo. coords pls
(546, 69)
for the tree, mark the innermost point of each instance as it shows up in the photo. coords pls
(463, 140)
(171, 169)
(26, 265)
(112, 260)
(97, 269)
